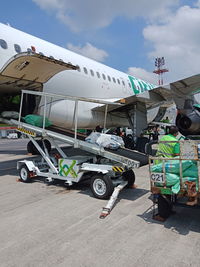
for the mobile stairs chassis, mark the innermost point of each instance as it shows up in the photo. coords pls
(189, 193)
(106, 179)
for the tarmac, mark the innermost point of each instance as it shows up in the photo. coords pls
(43, 225)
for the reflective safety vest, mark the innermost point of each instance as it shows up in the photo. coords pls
(166, 149)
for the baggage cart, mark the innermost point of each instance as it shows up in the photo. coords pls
(184, 190)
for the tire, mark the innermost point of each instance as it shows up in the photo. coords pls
(33, 150)
(24, 174)
(48, 145)
(101, 186)
(164, 206)
(130, 177)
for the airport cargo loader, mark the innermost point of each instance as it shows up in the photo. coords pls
(175, 181)
(104, 167)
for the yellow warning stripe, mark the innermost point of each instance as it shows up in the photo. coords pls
(23, 130)
(117, 169)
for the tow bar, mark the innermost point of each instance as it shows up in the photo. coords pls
(107, 209)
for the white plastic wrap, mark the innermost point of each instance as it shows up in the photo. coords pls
(92, 138)
(105, 140)
(10, 115)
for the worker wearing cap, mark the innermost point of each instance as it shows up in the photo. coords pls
(169, 150)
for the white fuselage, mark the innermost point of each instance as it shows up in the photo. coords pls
(92, 80)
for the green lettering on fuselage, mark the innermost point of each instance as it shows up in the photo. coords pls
(140, 86)
(135, 90)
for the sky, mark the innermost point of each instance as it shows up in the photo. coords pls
(124, 34)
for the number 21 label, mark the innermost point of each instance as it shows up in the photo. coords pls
(157, 177)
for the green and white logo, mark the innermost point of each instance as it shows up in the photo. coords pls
(140, 86)
(66, 168)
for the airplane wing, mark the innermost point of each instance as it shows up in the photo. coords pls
(180, 92)
(29, 70)
(187, 86)
(160, 96)
(164, 95)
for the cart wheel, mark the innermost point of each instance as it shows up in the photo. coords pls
(164, 206)
(130, 177)
(24, 174)
(33, 150)
(101, 186)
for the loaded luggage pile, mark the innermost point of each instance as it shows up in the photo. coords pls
(176, 181)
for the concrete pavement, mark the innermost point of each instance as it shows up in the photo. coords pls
(44, 225)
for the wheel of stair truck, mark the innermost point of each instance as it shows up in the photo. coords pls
(101, 186)
(24, 174)
(164, 206)
(130, 177)
(47, 144)
(33, 150)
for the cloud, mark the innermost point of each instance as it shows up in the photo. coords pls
(89, 51)
(143, 74)
(86, 15)
(172, 31)
(178, 41)
(198, 3)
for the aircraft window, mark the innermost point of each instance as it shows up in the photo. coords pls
(129, 85)
(79, 69)
(109, 78)
(92, 72)
(41, 53)
(123, 83)
(104, 77)
(114, 80)
(118, 81)
(85, 70)
(98, 75)
(17, 48)
(3, 44)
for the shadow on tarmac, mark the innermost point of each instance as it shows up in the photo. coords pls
(83, 187)
(126, 193)
(9, 167)
(183, 221)
(14, 152)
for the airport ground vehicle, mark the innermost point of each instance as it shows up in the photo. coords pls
(176, 181)
(105, 168)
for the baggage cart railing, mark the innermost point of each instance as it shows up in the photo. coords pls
(188, 151)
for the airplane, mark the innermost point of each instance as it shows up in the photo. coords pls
(28, 62)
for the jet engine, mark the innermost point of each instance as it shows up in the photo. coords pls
(188, 121)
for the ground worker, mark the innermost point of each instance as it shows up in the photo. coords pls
(168, 150)
(153, 135)
(166, 120)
